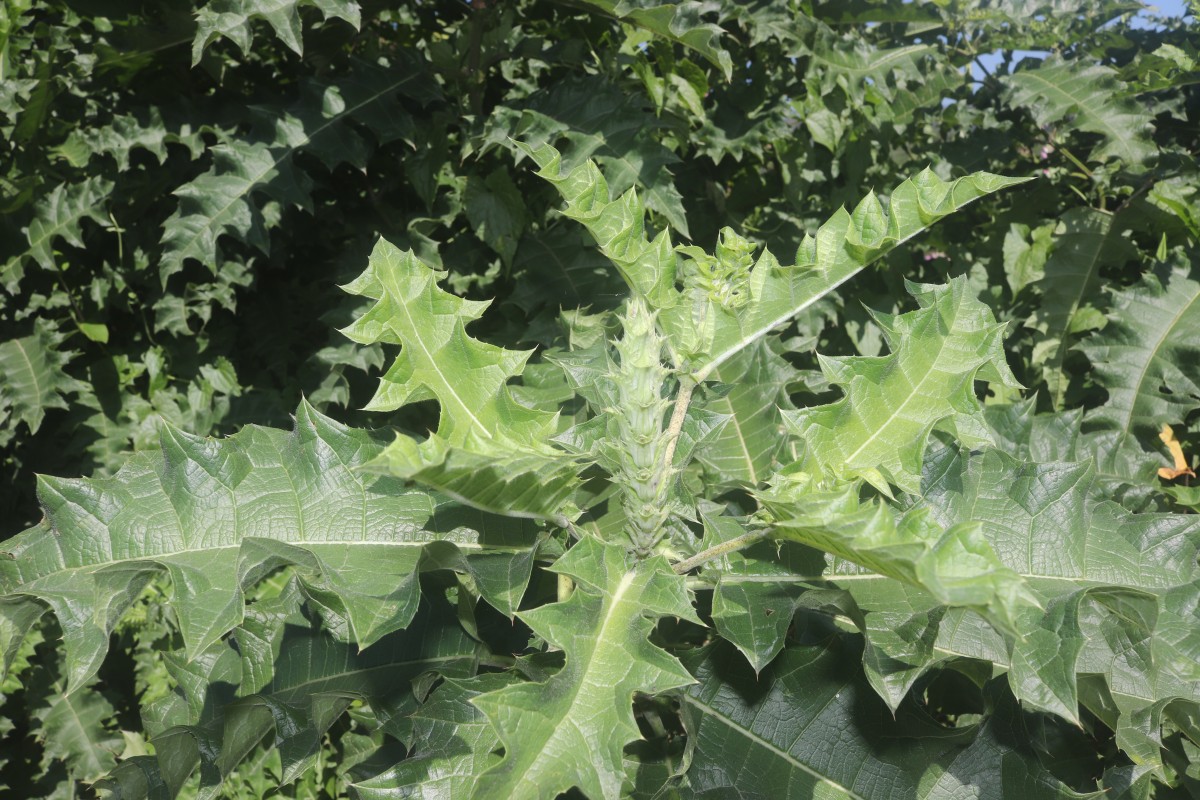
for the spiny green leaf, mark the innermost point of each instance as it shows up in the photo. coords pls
(1115, 588)
(1148, 359)
(747, 449)
(452, 742)
(860, 68)
(571, 730)
(1059, 436)
(57, 215)
(219, 202)
(1093, 94)
(608, 125)
(77, 728)
(32, 377)
(232, 19)
(1085, 242)
(292, 682)
(222, 201)
(1114, 585)
(618, 226)
(705, 336)
(145, 130)
(679, 22)
(808, 726)
(957, 565)
(757, 591)
(893, 402)
(842, 247)
(217, 515)
(557, 270)
(489, 450)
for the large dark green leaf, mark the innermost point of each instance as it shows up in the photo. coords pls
(809, 726)
(284, 679)
(1092, 94)
(225, 199)
(217, 515)
(1148, 360)
(1085, 242)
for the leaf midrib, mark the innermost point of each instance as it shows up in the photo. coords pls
(391, 665)
(74, 215)
(156, 558)
(893, 56)
(934, 367)
(741, 439)
(30, 369)
(614, 603)
(432, 364)
(1127, 427)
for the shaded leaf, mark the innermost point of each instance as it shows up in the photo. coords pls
(679, 21)
(496, 211)
(57, 215)
(452, 745)
(32, 379)
(1148, 358)
(287, 681)
(809, 726)
(1093, 95)
(233, 19)
(223, 200)
(1085, 243)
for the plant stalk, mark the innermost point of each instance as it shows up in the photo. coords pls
(716, 551)
(683, 399)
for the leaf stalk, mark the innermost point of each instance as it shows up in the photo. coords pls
(716, 551)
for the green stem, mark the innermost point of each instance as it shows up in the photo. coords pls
(683, 398)
(716, 551)
(500, 662)
(1066, 152)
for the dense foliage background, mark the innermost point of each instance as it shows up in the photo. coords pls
(183, 190)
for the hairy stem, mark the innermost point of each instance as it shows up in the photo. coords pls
(683, 399)
(716, 551)
(639, 378)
